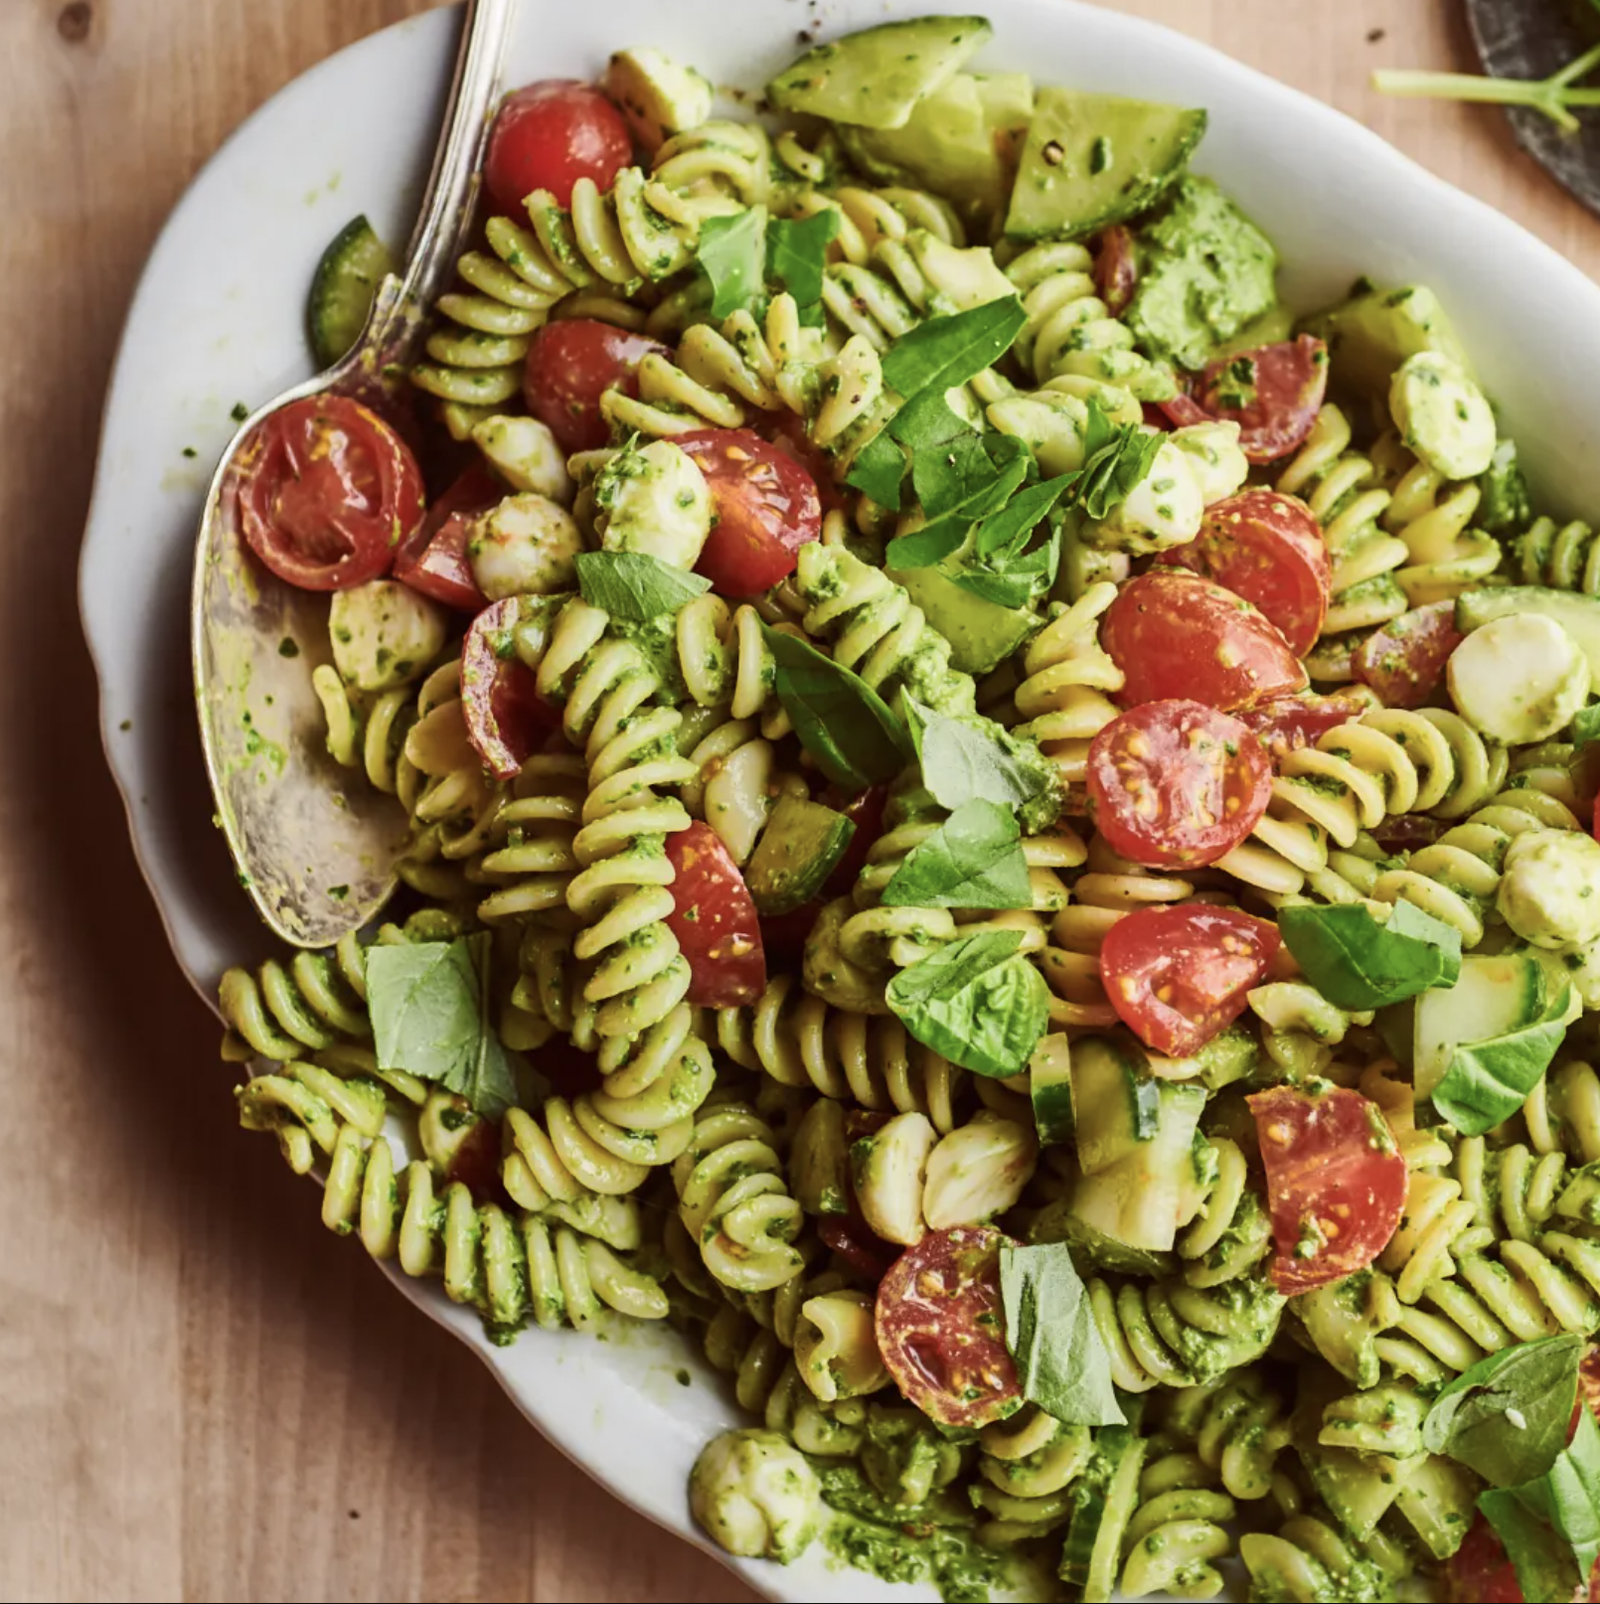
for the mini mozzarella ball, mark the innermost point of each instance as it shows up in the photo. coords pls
(655, 502)
(756, 1494)
(1582, 965)
(1214, 456)
(384, 635)
(1519, 679)
(888, 1169)
(659, 97)
(1161, 511)
(978, 1171)
(524, 453)
(1550, 888)
(526, 546)
(1442, 415)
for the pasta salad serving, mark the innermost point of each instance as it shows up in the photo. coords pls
(1001, 830)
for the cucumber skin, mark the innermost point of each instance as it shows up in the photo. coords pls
(343, 288)
(1091, 1557)
(778, 885)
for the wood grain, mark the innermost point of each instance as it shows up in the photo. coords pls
(202, 1393)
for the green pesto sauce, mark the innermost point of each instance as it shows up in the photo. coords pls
(657, 641)
(1205, 272)
(908, 1543)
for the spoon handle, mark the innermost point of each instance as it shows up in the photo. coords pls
(447, 206)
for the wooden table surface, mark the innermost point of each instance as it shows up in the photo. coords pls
(202, 1393)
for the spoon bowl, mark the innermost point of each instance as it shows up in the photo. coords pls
(315, 844)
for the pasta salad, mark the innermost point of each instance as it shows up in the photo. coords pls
(1001, 829)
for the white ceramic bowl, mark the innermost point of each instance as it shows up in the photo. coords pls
(218, 320)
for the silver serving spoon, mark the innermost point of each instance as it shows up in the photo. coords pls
(315, 844)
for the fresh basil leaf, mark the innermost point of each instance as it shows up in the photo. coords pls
(634, 587)
(429, 1003)
(1116, 470)
(1550, 1526)
(976, 1001)
(968, 464)
(927, 546)
(927, 423)
(797, 253)
(1574, 1492)
(975, 759)
(732, 252)
(1357, 960)
(1007, 531)
(1488, 1081)
(1586, 725)
(973, 860)
(1546, 1570)
(1507, 1416)
(936, 356)
(944, 535)
(838, 718)
(943, 352)
(1027, 577)
(1052, 1333)
(877, 471)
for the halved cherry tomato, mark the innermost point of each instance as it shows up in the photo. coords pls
(434, 559)
(1291, 723)
(570, 1071)
(941, 1331)
(1403, 660)
(715, 921)
(788, 433)
(766, 504)
(1268, 548)
(548, 136)
(1116, 273)
(1176, 976)
(571, 364)
(865, 811)
(1336, 1182)
(1479, 1571)
(1273, 393)
(1405, 832)
(1176, 784)
(868, 1255)
(507, 719)
(1180, 412)
(474, 1158)
(1175, 635)
(326, 491)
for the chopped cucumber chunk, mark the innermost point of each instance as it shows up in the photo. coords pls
(1493, 997)
(343, 289)
(799, 849)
